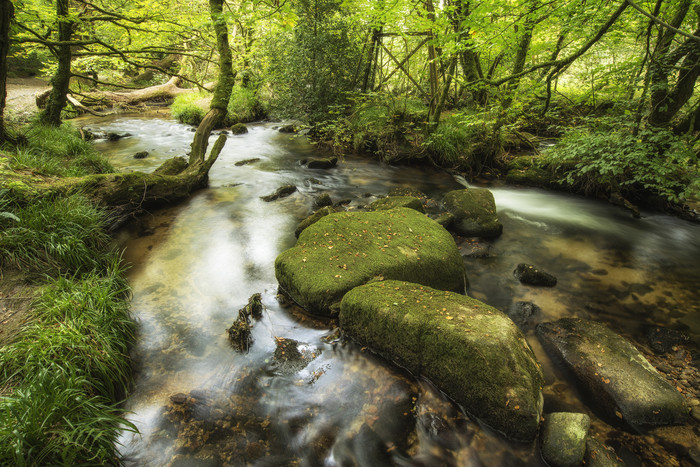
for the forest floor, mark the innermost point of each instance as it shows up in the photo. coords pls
(21, 92)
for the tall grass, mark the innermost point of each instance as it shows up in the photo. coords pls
(190, 108)
(65, 235)
(67, 368)
(60, 152)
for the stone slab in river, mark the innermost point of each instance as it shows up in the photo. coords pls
(475, 212)
(347, 249)
(621, 381)
(470, 350)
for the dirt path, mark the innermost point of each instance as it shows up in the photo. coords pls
(21, 94)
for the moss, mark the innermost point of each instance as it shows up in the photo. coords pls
(312, 219)
(391, 202)
(344, 250)
(525, 170)
(471, 351)
(475, 213)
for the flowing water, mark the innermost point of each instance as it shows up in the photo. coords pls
(197, 401)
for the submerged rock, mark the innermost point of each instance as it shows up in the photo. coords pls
(564, 438)
(141, 155)
(239, 332)
(247, 161)
(325, 163)
(475, 213)
(343, 250)
(599, 455)
(281, 192)
(522, 312)
(620, 380)
(391, 202)
(312, 219)
(470, 350)
(292, 356)
(664, 340)
(239, 129)
(529, 274)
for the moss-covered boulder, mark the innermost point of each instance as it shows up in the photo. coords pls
(475, 213)
(470, 350)
(391, 202)
(324, 163)
(312, 219)
(347, 249)
(620, 380)
(239, 129)
(526, 170)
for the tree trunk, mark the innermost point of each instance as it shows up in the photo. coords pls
(224, 85)
(61, 79)
(6, 15)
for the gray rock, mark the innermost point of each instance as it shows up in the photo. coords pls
(564, 438)
(323, 200)
(475, 213)
(391, 202)
(529, 274)
(247, 161)
(281, 192)
(470, 350)
(620, 380)
(522, 312)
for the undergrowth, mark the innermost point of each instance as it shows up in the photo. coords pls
(244, 106)
(67, 368)
(609, 157)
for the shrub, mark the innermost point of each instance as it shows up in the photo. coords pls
(612, 159)
(190, 108)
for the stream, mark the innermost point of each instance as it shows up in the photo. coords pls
(197, 401)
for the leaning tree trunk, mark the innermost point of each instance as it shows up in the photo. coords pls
(224, 85)
(6, 14)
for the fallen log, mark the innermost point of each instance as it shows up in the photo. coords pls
(159, 93)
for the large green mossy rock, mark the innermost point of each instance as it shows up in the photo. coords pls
(475, 214)
(471, 351)
(391, 202)
(347, 249)
(620, 380)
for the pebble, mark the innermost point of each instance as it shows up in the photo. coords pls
(692, 402)
(695, 413)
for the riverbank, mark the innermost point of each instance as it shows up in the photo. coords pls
(66, 326)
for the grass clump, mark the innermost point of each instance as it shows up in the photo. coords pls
(64, 235)
(190, 108)
(67, 368)
(244, 106)
(58, 152)
(468, 142)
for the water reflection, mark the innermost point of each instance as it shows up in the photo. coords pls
(199, 402)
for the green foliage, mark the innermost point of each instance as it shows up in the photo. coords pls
(59, 151)
(244, 106)
(67, 369)
(312, 66)
(609, 157)
(377, 124)
(190, 108)
(53, 236)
